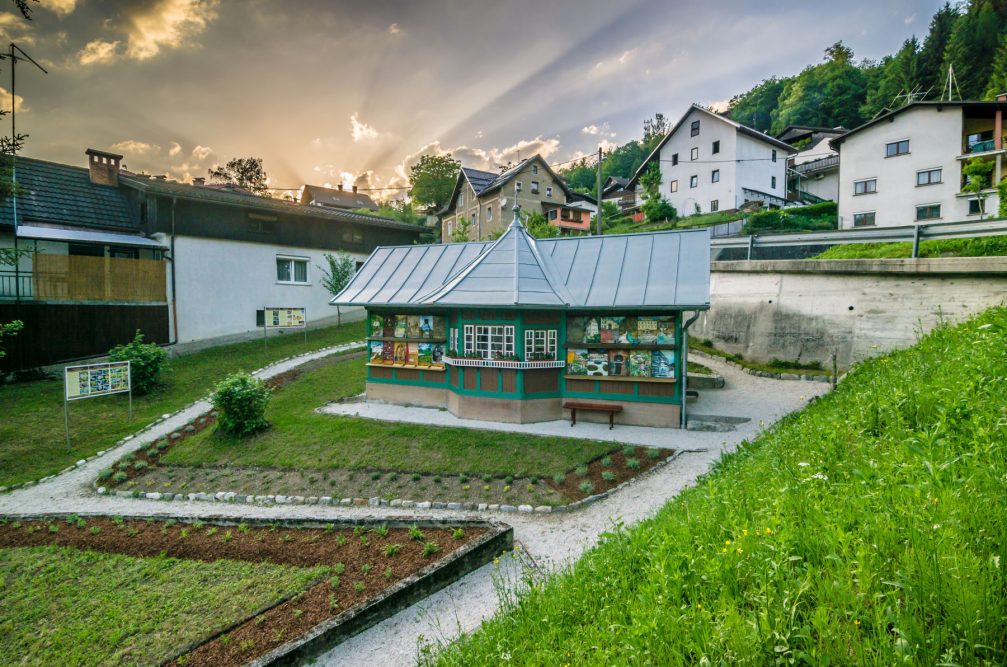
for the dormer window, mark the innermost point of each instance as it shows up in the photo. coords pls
(534, 169)
(461, 199)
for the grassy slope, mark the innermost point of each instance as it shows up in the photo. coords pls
(32, 436)
(63, 606)
(300, 438)
(867, 529)
(979, 247)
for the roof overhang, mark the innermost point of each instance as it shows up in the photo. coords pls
(86, 236)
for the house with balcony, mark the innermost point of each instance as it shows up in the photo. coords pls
(813, 171)
(481, 200)
(711, 163)
(905, 166)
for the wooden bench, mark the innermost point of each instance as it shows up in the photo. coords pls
(574, 406)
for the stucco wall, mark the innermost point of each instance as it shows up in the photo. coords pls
(810, 309)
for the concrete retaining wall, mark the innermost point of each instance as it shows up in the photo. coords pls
(809, 309)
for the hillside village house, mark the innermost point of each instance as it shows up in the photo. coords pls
(513, 330)
(905, 166)
(337, 198)
(483, 199)
(813, 171)
(106, 252)
(711, 163)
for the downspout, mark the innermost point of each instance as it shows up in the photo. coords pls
(685, 364)
(174, 294)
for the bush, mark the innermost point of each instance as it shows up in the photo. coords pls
(147, 360)
(241, 400)
(816, 217)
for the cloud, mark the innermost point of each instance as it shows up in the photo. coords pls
(174, 149)
(394, 29)
(133, 147)
(594, 130)
(909, 19)
(492, 159)
(5, 101)
(719, 106)
(164, 24)
(202, 152)
(361, 131)
(60, 8)
(590, 129)
(97, 51)
(13, 28)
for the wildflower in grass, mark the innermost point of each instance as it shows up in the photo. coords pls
(727, 542)
(739, 551)
(744, 531)
(856, 622)
(769, 531)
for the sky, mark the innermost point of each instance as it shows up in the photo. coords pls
(330, 92)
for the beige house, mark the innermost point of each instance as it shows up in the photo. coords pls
(483, 200)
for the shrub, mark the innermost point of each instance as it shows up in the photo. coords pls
(241, 400)
(458, 534)
(415, 533)
(586, 487)
(146, 361)
(629, 450)
(608, 476)
(653, 453)
(581, 471)
(633, 464)
(430, 548)
(559, 478)
(105, 474)
(392, 549)
(120, 477)
(606, 461)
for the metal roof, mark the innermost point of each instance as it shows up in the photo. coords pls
(86, 236)
(657, 270)
(339, 198)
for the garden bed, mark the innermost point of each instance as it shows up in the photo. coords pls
(323, 583)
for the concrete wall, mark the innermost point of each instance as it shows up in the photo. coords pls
(809, 309)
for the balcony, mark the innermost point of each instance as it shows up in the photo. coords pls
(76, 279)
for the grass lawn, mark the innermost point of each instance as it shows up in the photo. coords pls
(988, 246)
(32, 436)
(300, 438)
(866, 529)
(64, 606)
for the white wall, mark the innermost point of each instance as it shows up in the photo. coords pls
(757, 169)
(822, 184)
(935, 141)
(222, 283)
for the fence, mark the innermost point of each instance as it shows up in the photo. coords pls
(11, 281)
(105, 279)
(809, 244)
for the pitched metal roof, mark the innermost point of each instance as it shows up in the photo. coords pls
(322, 196)
(62, 194)
(967, 105)
(479, 180)
(657, 270)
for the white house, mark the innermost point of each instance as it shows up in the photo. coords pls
(905, 166)
(711, 163)
(814, 170)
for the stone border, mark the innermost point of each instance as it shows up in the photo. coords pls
(165, 417)
(399, 503)
(498, 538)
(805, 377)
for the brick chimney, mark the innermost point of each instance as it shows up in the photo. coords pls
(354, 189)
(103, 167)
(199, 181)
(340, 186)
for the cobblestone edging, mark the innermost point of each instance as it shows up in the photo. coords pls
(763, 374)
(269, 500)
(165, 417)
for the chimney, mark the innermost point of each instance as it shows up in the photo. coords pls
(998, 127)
(199, 181)
(1002, 97)
(103, 167)
(161, 177)
(354, 189)
(340, 187)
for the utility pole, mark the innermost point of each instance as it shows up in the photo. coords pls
(598, 183)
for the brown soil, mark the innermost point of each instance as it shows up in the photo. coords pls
(595, 469)
(302, 547)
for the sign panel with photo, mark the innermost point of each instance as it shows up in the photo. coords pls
(285, 318)
(96, 380)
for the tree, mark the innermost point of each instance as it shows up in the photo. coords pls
(461, 232)
(998, 77)
(898, 75)
(611, 216)
(655, 207)
(337, 276)
(974, 41)
(936, 43)
(839, 54)
(977, 180)
(756, 107)
(654, 130)
(537, 226)
(9, 330)
(432, 180)
(243, 172)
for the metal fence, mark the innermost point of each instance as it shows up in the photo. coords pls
(803, 245)
(10, 282)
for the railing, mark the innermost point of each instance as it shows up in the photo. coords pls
(13, 285)
(502, 363)
(982, 146)
(817, 165)
(811, 243)
(83, 278)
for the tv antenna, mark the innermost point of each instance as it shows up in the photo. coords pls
(951, 81)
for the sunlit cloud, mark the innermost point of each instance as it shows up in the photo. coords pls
(202, 152)
(97, 51)
(133, 147)
(361, 131)
(394, 29)
(719, 106)
(165, 24)
(60, 8)
(5, 102)
(13, 28)
(174, 149)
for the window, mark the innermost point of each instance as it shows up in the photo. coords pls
(552, 214)
(534, 187)
(863, 219)
(714, 206)
(715, 176)
(693, 181)
(292, 270)
(534, 169)
(517, 186)
(866, 187)
(540, 345)
(461, 199)
(897, 148)
(451, 227)
(774, 155)
(352, 236)
(674, 186)
(928, 177)
(357, 266)
(928, 212)
(716, 147)
(674, 159)
(974, 208)
(123, 253)
(695, 129)
(548, 192)
(695, 154)
(489, 341)
(489, 213)
(772, 182)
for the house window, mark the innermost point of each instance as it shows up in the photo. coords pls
(928, 177)
(928, 212)
(534, 187)
(674, 159)
(695, 154)
(863, 219)
(534, 170)
(716, 147)
(292, 270)
(540, 345)
(772, 182)
(548, 192)
(351, 236)
(714, 206)
(517, 186)
(693, 181)
(451, 227)
(974, 208)
(489, 342)
(715, 176)
(674, 186)
(865, 187)
(897, 148)
(552, 214)
(774, 157)
(489, 213)
(461, 199)
(695, 129)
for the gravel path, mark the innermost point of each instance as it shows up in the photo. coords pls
(550, 541)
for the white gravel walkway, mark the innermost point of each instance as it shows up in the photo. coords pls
(549, 540)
